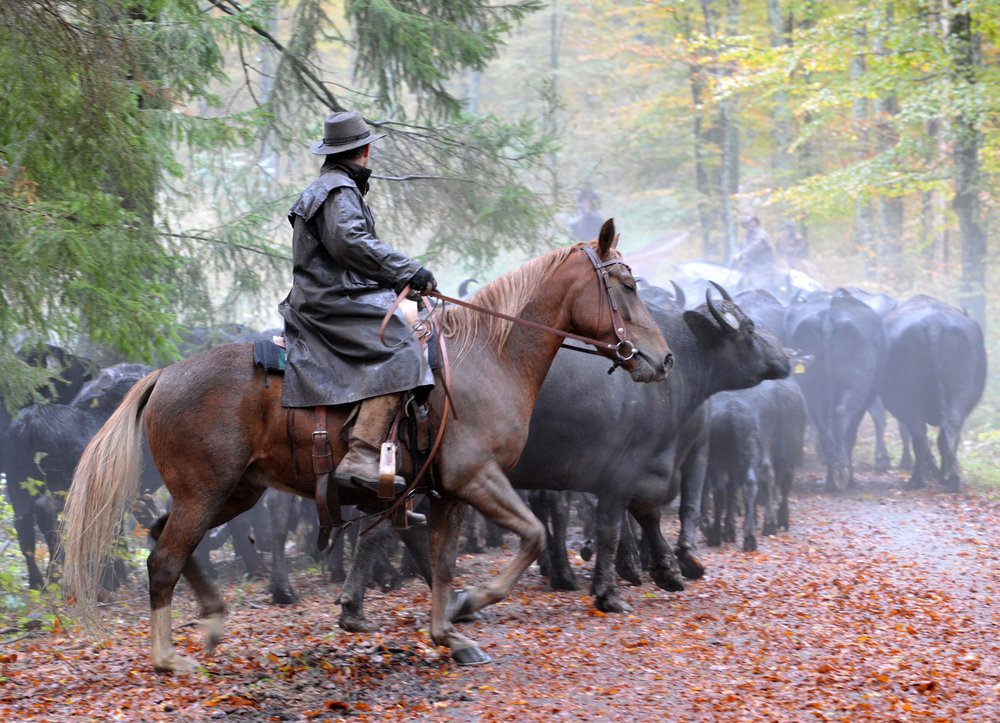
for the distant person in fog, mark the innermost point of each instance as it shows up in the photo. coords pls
(586, 225)
(757, 258)
(794, 249)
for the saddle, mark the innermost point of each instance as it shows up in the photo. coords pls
(412, 419)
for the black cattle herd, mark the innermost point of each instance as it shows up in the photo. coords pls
(723, 437)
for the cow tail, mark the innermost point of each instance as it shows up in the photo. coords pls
(104, 485)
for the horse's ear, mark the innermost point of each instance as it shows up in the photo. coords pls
(607, 239)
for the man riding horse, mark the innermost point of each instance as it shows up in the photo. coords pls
(344, 282)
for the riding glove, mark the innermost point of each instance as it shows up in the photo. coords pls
(423, 281)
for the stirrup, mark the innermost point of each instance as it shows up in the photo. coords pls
(369, 485)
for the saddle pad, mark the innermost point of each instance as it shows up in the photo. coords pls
(269, 355)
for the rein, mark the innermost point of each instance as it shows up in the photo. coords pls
(624, 349)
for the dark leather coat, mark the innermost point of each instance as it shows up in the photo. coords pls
(342, 287)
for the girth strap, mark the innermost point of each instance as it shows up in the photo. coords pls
(327, 495)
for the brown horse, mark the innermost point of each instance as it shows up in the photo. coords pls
(220, 437)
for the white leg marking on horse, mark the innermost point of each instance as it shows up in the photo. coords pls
(165, 660)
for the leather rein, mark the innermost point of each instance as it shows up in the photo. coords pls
(624, 350)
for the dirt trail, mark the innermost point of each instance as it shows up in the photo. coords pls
(877, 605)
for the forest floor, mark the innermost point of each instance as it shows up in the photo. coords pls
(878, 604)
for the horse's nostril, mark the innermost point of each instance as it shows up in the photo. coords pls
(668, 362)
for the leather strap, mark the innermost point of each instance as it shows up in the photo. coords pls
(327, 495)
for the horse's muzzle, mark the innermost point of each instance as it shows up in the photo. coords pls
(650, 371)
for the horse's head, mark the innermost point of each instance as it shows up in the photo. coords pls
(622, 319)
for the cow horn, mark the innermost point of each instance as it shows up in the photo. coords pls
(714, 311)
(679, 298)
(725, 294)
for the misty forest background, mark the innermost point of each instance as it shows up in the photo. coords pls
(150, 149)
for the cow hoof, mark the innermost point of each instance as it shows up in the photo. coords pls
(668, 580)
(690, 565)
(354, 624)
(613, 604)
(629, 574)
(564, 583)
(284, 596)
(470, 656)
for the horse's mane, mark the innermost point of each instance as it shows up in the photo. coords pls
(466, 328)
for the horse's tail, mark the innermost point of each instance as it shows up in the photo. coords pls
(104, 486)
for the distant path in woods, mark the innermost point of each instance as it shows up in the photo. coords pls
(878, 605)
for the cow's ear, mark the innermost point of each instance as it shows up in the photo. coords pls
(703, 326)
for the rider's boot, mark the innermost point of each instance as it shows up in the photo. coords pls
(361, 463)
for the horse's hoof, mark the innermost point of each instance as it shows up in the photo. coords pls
(691, 566)
(587, 551)
(770, 528)
(460, 608)
(470, 656)
(749, 544)
(175, 663)
(212, 629)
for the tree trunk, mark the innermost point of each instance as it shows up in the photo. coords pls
(889, 208)
(863, 220)
(965, 50)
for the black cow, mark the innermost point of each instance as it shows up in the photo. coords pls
(934, 374)
(845, 338)
(41, 450)
(641, 432)
(883, 304)
(755, 448)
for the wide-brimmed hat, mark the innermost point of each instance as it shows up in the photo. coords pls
(344, 131)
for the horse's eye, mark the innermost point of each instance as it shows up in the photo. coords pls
(629, 284)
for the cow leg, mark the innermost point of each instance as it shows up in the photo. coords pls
(766, 493)
(921, 455)
(750, 485)
(24, 526)
(878, 415)
(627, 559)
(948, 435)
(473, 523)
(783, 479)
(718, 483)
(555, 508)
(734, 487)
(610, 511)
(45, 518)
(664, 570)
(280, 508)
(241, 535)
(352, 597)
(906, 461)
(692, 472)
